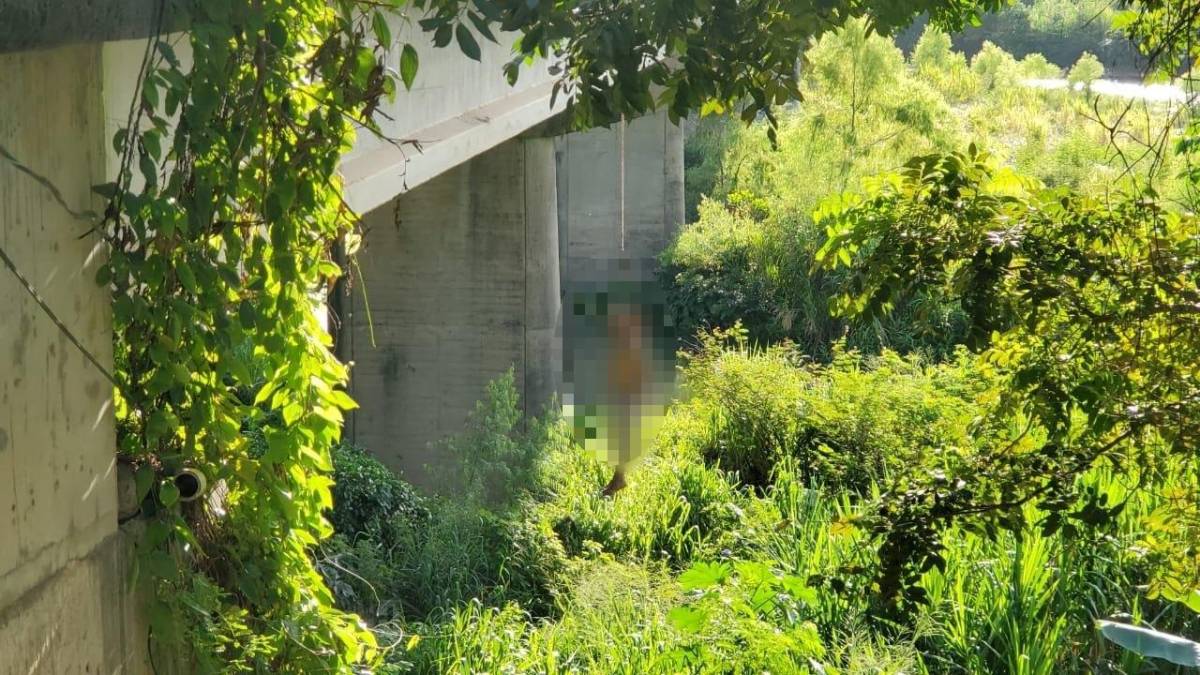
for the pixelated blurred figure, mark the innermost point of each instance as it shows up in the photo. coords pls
(619, 371)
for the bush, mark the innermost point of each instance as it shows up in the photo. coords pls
(401, 555)
(1086, 71)
(368, 499)
(713, 275)
(996, 68)
(495, 460)
(674, 510)
(856, 422)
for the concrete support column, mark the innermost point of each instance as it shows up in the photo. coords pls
(461, 286)
(591, 197)
(543, 298)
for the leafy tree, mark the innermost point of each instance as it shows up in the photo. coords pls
(934, 50)
(1086, 309)
(996, 68)
(1086, 71)
(629, 57)
(1036, 66)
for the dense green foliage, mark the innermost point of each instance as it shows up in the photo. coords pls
(1086, 310)
(1061, 30)
(749, 255)
(841, 519)
(223, 229)
(693, 569)
(367, 496)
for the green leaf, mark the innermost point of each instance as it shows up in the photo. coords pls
(143, 480)
(247, 315)
(687, 619)
(150, 93)
(364, 63)
(152, 142)
(277, 33)
(703, 575)
(186, 277)
(168, 493)
(442, 36)
(149, 170)
(383, 32)
(168, 53)
(106, 190)
(408, 65)
(481, 25)
(467, 43)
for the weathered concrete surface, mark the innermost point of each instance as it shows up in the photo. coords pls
(81, 620)
(450, 272)
(41, 24)
(59, 574)
(543, 295)
(456, 110)
(589, 194)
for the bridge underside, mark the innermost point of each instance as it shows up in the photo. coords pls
(462, 278)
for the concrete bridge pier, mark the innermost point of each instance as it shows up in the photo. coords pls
(461, 277)
(459, 282)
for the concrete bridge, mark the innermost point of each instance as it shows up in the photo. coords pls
(468, 245)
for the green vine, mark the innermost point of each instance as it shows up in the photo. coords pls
(220, 246)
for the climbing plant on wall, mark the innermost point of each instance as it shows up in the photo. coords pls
(221, 228)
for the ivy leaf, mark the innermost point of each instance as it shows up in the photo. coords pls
(168, 53)
(150, 93)
(408, 65)
(152, 142)
(143, 480)
(149, 170)
(467, 43)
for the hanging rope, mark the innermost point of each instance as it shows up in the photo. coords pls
(621, 179)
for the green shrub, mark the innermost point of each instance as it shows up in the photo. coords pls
(996, 68)
(496, 459)
(852, 423)
(713, 275)
(616, 623)
(674, 510)
(1086, 71)
(401, 555)
(368, 497)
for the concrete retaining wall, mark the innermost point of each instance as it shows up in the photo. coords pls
(63, 605)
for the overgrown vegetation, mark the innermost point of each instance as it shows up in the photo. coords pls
(224, 227)
(821, 503)
(946, 510)
(750, 254)
(703, 567)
